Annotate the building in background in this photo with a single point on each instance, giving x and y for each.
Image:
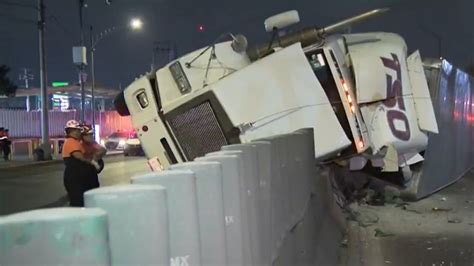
(22, 113)
(63, 96)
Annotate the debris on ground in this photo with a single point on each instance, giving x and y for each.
(344, 242)
(388, 262)
(368, 220)
(374, 198)
(402, 204)
(380, 233)
(363, 220)
(406, 208)
(436, 209)
(454, 220)
(392, 196)
(443, 199)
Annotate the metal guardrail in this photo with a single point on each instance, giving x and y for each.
(262, 203)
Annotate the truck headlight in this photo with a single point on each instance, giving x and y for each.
(122, 143)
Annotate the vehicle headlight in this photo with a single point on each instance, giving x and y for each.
(122, 142)
(102, 142)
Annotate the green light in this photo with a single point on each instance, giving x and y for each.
(60, 84)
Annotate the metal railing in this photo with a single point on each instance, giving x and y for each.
(23, 124)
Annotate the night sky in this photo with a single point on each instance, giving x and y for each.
(124, 55)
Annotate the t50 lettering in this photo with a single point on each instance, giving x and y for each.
(395, 99)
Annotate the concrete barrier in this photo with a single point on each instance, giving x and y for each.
(264, 172)
(210, 209)
(59, 236)
(302, 192)
(251, 183)
(182, 212)
(235, 245)
(260, 203)
(138, 222)
(244, 202)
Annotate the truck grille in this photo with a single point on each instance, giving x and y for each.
(198, 131)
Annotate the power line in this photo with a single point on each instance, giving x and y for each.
(7, 3)
(56, 21)
(17, 19)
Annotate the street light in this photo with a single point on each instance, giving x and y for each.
(135, 24)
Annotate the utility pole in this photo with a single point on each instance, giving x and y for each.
(92, 48)
(44, 87)
(82, 66)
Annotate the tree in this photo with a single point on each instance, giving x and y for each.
(7, 87)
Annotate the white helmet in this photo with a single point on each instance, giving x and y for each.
(73, 124)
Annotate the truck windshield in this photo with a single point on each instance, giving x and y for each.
(321, 69)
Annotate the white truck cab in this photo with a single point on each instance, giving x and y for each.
(357, 91)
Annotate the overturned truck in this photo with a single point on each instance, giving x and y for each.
(367, 100)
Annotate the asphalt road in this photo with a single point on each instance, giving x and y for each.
(41, 186)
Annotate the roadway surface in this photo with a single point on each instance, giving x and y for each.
(41, 186)
(438, 230)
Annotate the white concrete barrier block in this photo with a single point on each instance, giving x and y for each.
(280, 193)
(244, 202)
(59, 236)
(138, 222)
(210, 209)
(265, 165)
(182, 212)
(298, 179)
(231, 178)
(288, 172)
(277, 200)
(251, 181)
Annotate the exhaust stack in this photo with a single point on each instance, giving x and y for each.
(311, 35)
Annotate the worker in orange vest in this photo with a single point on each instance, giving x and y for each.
(78, 166)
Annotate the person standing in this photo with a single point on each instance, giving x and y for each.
(93, 152)
(2, 137)
(6, 145)
(77, 166)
